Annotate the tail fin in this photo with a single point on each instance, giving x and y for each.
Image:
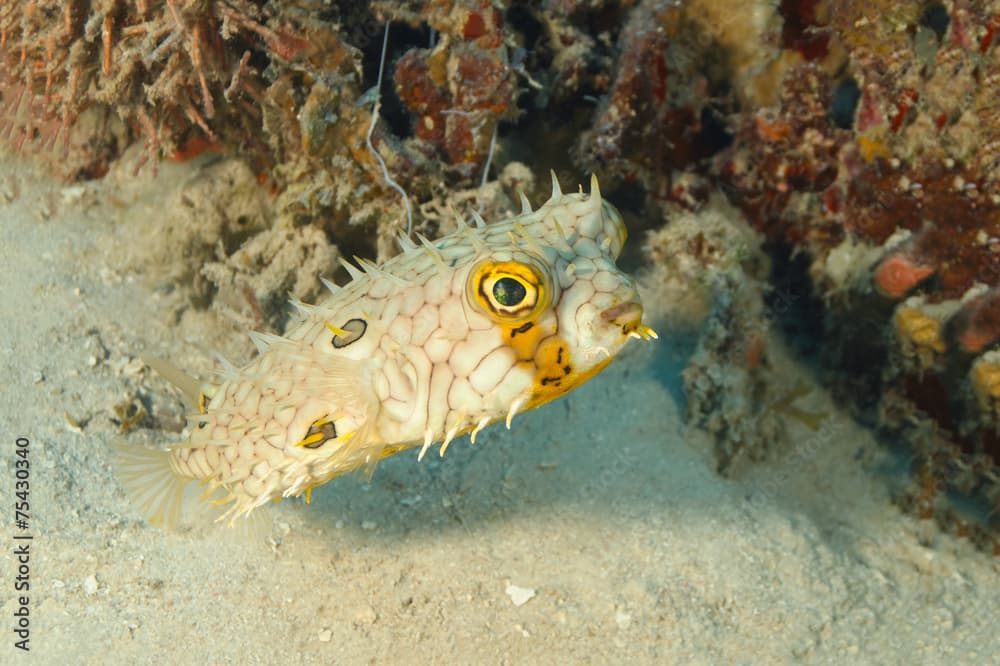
(159, 493)
(155, 489)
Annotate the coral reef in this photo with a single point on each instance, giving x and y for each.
(237, 256)
(710, 268)
(878, 161)
(160, 66)
(656, 118)
(280, 84)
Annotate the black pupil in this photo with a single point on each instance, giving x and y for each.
(508, 292)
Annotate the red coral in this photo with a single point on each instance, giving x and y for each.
(462, 88)
(650, 123)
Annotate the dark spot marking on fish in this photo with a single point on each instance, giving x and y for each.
(327, 431)
(523, 328)
(354, 331)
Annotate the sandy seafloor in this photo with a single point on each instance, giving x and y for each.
(603, 503)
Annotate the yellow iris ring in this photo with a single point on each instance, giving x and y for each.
(537, 290)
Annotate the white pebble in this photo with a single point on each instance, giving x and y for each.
(325, 635)
(90, 585)
(519, 595)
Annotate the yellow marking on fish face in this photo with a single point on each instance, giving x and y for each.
(554, 373)
(509, 292)
(523, 339)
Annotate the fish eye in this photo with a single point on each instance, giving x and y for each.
(509, 291)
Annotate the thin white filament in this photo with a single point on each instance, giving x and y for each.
(371, 130)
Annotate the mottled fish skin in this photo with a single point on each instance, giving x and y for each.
(439, 341)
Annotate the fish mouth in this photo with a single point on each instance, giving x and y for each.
(628, 317)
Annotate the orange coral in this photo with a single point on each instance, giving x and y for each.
(897, 275)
